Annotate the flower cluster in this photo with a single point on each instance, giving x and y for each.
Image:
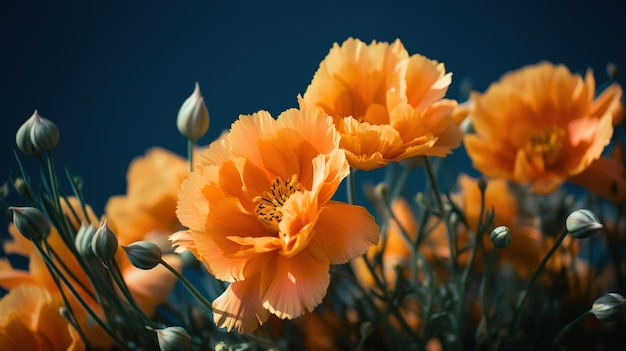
(249, 243)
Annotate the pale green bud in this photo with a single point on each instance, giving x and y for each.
(104, 243)
(173, 339)
(222, 346)
(44, 134)
(193, 116)
(500, 237)
(366, 329)
(143, 254)
(22, 137)
(31, 222)
(467, 127)
(583, 224)
(609, 307)
(84, 239)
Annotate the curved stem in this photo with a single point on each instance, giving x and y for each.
(188, 285)
(567, 328)
(526, 291)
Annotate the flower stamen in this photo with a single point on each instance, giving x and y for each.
(270, 204)
(546, 144)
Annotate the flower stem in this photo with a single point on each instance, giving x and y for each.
(483, 286)
(350, 187)
(188, 285)
(190, 144)
(526, 291)
(567, 328)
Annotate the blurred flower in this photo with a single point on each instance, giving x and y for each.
(260, 197)
(541, 125)
(30, 320)
(386, 105)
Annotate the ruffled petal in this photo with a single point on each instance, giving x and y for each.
(240, 307)
(345, 231)
(297, 284)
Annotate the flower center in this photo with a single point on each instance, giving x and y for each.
(546, 144)
(269, 206)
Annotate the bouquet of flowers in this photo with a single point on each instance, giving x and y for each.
(249, 243)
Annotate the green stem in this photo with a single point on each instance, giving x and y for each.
(557, 340)
(534, 277)
(115, 272)
(483, 286)
(58, 273)
(350, 187)
(188, 285)
(190, 145)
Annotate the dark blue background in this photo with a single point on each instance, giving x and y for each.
(112, 74)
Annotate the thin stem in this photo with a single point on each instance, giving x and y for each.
(58, 273)
(567, 328)
(190, 145)
(119, 281)
(188, 285)
(526, 291)
(483, 287)
(350, 187)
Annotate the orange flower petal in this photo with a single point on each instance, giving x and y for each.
(345, 231)
(240, 306)
(296, 284)
(604, 177)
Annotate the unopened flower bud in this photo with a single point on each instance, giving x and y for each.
(4, 190)
(467, 127)
(583, 224)
(173, 339)
(609, 307)
(366, 329)
(222, 346)
(31, 222)
(44, 134)
(143, 254)
(482, 185)
(193, 116)
(611, 70)
(83, 240)
(104, 243)
(22, 137)
(22, 187)
(500, 237)
(382, 191)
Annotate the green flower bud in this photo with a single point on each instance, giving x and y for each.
(44, 134)
(609, 307)
(104, 243)
(222, 346)
(500, 237)
(366, 329)
(193, 116)
(22, 187)
(583, 224)
(31, 222)
(22, 137)
(84, 238)
(143, 254)
(173, 339)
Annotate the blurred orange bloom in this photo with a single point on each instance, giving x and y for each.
(30, 320)
(541, 125)
(149, 205)
(259, 215)
(386, 105)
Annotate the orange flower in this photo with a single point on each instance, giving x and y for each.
(386, 105)
(30, 320)
(149, 205)
(259, 215)
(540, 125)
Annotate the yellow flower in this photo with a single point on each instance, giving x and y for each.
(259, 211)
(386, 105)
(540, 125)
(30, 320)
